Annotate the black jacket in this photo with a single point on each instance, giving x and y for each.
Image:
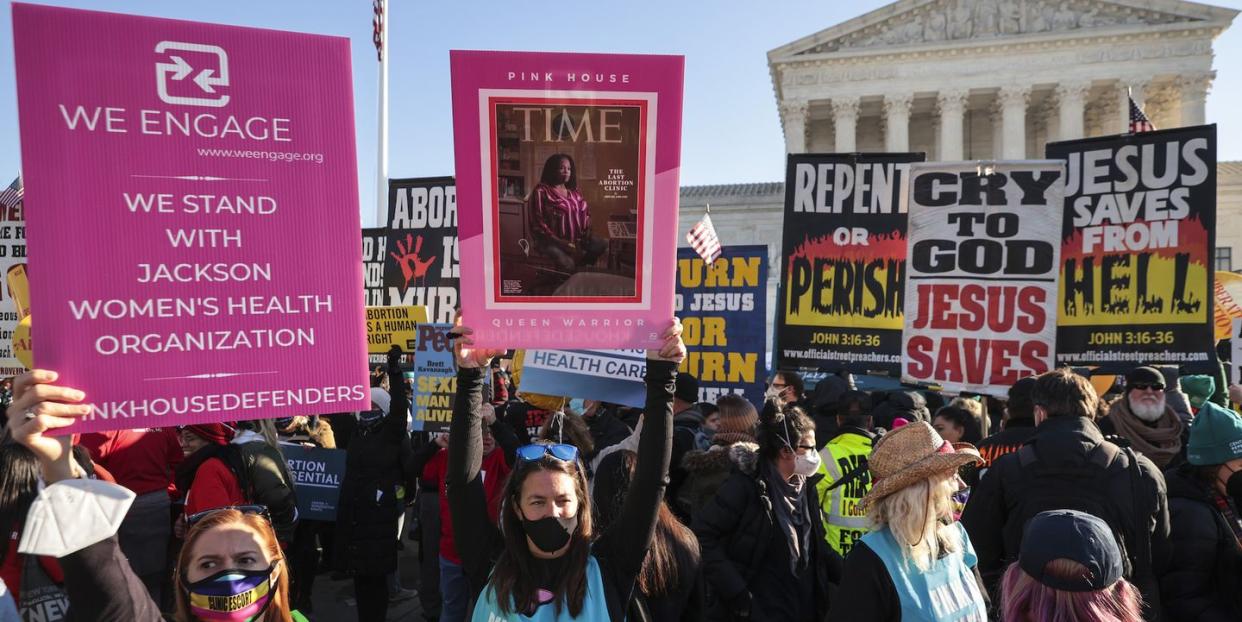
(743, 546)
(377, 463)
(1204, 578)
(1016, 433)
(995, 516)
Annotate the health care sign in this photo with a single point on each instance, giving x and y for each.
(192, 193)
(981, 279)
(567, 173)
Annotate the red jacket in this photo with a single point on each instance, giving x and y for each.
(495, 472)
(140, 460)
(11, 569)
(215, 486)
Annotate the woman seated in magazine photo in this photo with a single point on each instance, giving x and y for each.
(560, 219)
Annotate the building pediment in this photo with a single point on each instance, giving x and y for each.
(950, 23)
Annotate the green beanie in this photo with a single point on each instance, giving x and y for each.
(1198, 388)
(1215, 436)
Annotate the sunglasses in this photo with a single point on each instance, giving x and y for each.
(260, 510)
(1147, 387)
(560, 451)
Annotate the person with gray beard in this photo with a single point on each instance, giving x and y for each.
(1144, 418)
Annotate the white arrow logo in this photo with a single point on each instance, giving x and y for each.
(179, 70)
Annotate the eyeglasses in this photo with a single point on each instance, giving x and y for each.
(777, 385)
(560, 451)
(1140, 386)
(260, 510)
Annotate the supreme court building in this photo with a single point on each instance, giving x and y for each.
(981, 80)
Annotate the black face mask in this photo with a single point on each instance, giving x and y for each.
(550, 534)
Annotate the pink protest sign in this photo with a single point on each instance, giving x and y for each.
(567, 190)
(192, 214)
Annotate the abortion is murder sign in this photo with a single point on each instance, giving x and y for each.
(204, 178)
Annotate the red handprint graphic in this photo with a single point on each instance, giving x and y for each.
(412, 266)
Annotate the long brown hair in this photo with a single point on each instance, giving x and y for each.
(278, 609)
(514, 578)
(662, 567)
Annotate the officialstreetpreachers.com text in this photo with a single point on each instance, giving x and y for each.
(852, 357)
(1132, 357)
(219, 402)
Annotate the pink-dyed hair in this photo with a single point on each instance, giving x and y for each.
(1023, 599)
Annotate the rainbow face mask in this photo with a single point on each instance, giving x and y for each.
(236, 595)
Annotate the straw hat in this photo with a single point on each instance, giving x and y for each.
(911, 454)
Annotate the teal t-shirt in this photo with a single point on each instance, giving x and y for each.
(594, 605)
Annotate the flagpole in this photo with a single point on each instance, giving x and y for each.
(381, 170)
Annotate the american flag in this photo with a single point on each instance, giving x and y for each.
(377, 28)
(11, 196)
(702, 238)
(1138, 121)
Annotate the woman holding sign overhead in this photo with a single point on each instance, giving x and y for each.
(545, 562)
(231, 568)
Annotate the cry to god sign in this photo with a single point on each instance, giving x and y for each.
(981, 284)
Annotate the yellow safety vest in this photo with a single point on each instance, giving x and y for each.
(844, 524)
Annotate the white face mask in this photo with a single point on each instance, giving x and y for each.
(806, 464)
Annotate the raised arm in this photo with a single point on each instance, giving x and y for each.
(396, 422)
(98, 579)
(626, 542)
(480, 539)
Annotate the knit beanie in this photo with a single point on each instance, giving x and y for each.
(736, 425)
(214, 433)
(1215, 436)
(687, 388)
(1144, 375)
(1199, 388)
(381, 398)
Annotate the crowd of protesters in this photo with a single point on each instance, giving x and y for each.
(821, 503)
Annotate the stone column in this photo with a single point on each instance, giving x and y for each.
(951, 105)
(1130, 89)
(845, 116)
(794, 117)
(1193, 90)
(1013, 121)
(1072, 98)
(998, 134)
(897, 119)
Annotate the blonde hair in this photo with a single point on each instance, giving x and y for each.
(914, 516)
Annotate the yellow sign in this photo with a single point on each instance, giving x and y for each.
(21, 343)
(394, 326)
(1228, 301)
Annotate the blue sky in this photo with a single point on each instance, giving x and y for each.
(731, 129)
